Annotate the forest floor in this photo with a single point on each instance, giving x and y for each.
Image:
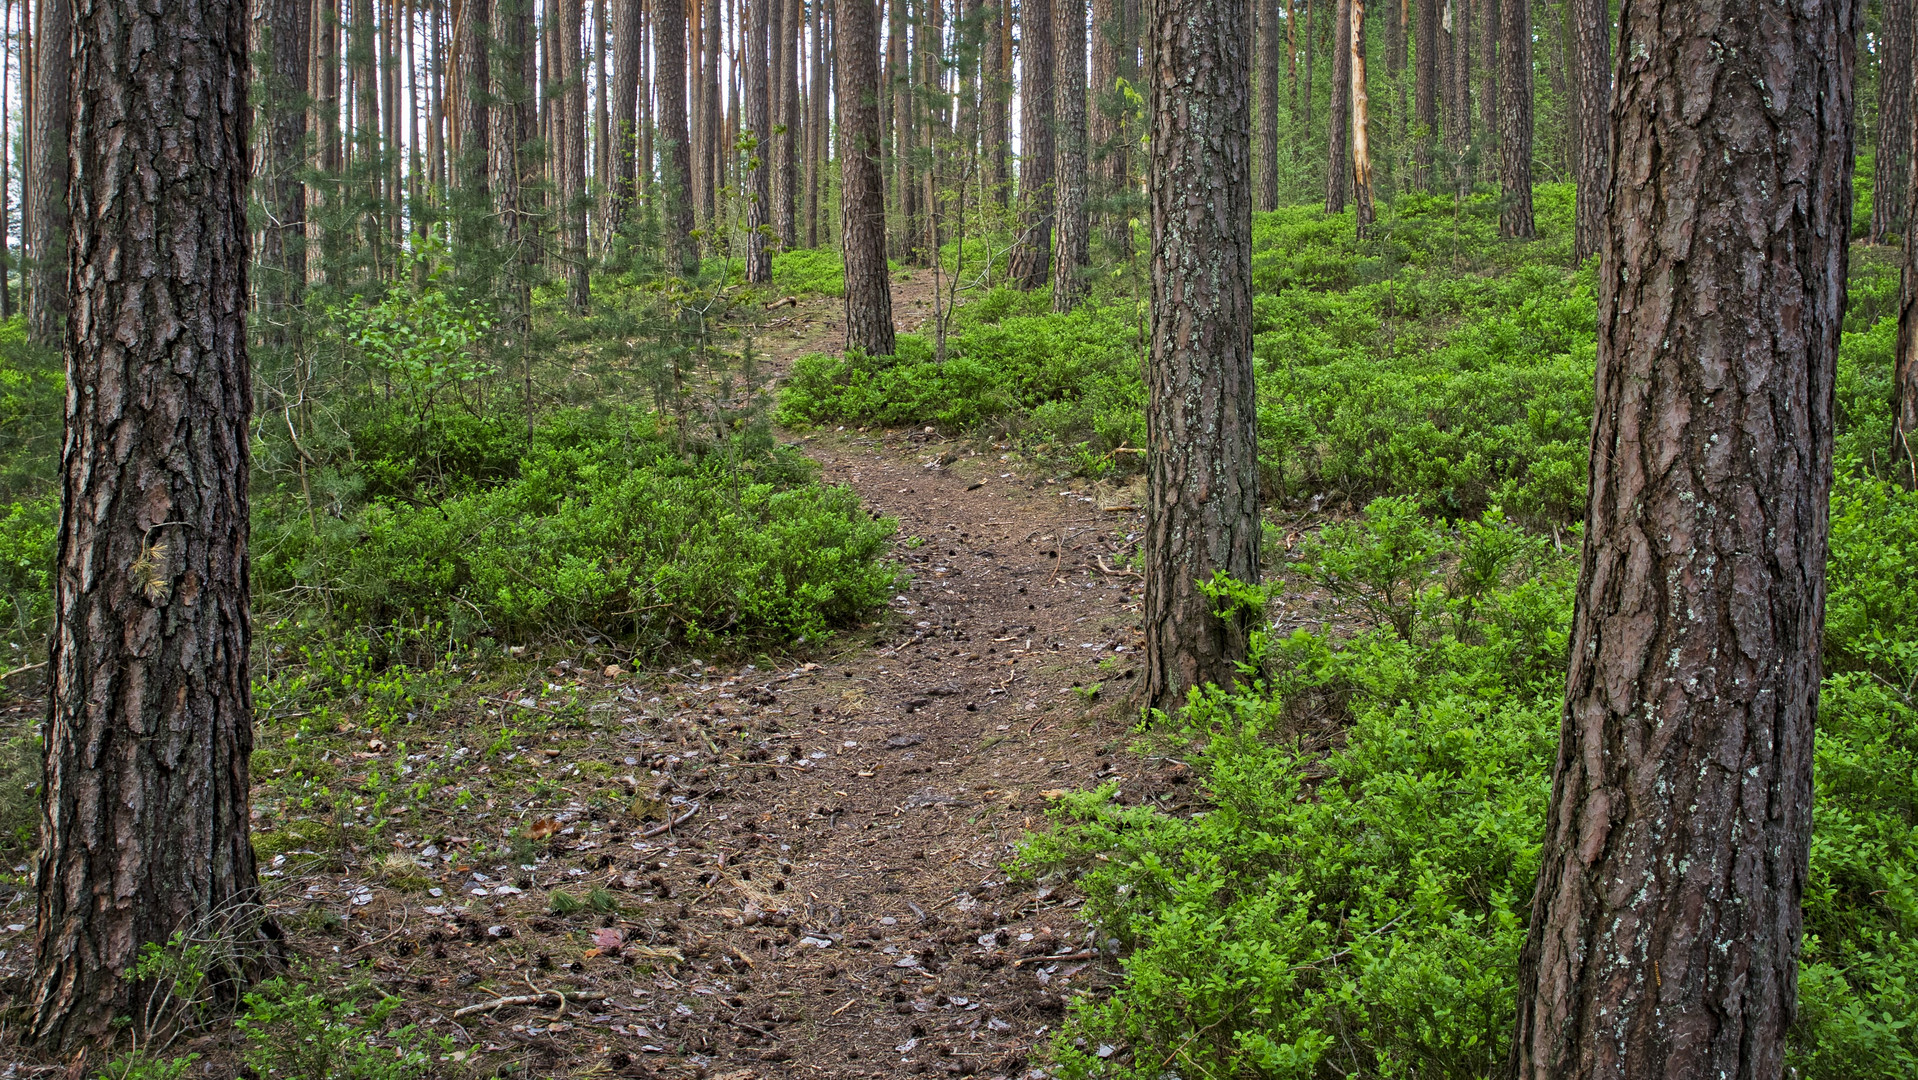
(812, 878)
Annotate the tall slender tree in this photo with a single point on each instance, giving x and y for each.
(1032, 255)
(862, 202)
(1515, 121)
(1112, 60)
(1269, 38)
(1666, 925)
(786, 124)
(280, 55)
(625, 119)
(1364, 213)
(571, 111)
(150, 719)
(711, 123)
(1904, 377)
(995, 91)
(816, 134)
(676, 157)
(756, 129)
(1202, 472)
(46, 201)
(1338, 166)
(1891, 163)
(1458, 120)
(1591, 79)
(1425, 88)
(1075, 224)
(1491, 24)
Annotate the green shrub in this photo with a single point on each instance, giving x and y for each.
(295, 1030)
(810, 270)
(1359, 910)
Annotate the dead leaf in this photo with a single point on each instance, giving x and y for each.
(543, 828)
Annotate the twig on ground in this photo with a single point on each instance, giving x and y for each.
(661, 830)
(1082, 954)
(529, 999)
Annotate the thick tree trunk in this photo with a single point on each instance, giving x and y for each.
(1592, 89)
(1269, 37)
(862, 202)
(1311, 9)
(1458, 122)
(1515, 122)
(1075, 225)
(1363, 213)
(1891, 164)
(1490, 25)
(816, 133)
(757, 129)
(1032, 256)
(1202, 472)
(150, 719)
(676, 159)
(1111, 161)
(1904, 380)
(472, 148)
(284, 42)
(1338, 165)
(1425, 88)
(1665, 928)
(46, 179)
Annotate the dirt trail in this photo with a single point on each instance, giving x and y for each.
(832, 900)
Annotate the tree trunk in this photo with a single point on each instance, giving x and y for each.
(757, 186)
(1904, 381)
(1458, 123)
(626, 46)
(1425, 86)
(1592, 87)
(816, 134)
(1032, 256)
(572, 122)
(676, 159)
(1202, 469)
(1363, 214)
(284, 43)
(1515, 123)
(150, 717)
(473, 147)
(1490, 25)
(1110, 160)
(1075, 226)
(511, 47)
(1268, 16)
(1338, 166)
(1311, 9)
(862, 201)
(1665, 927)
(929, 39)
(1891, 163)
(362, 63)
(786, 204)
(711, 123)
(46, 200)
(995, 92)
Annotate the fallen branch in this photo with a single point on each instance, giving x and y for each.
(1082, 954)
(1116, 573)
(23, 670)
(661, 830)
(550, 996)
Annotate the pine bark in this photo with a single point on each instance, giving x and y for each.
(472, 148)
(1515, 122)
(1363, 213)
(756, 127)
(1458, 120)
(1904, 379)
(1490, 24)
(816, 134)
(46, 201)
(1338, 162)
(1891, 163)
(149, 721)
(1425, 88)
(1269, 31)
(1592, 90)
(284, 42)
(786, 178)
(1032, 257)
(676, 159)
(711, 122)
(862, 202)
(1666, 924)
(1075, 224)
(511, 130)
(995, 91)
(1202, 475)
(571, 108)
(929, 37)
(625, 118)
(1111, 158)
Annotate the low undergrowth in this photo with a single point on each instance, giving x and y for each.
(1353, 902)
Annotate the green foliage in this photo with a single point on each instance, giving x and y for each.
(598, 526)
(1358, 910)
(295, 1030)
(141, 1065)
(802, 271)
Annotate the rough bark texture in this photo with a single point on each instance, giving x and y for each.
(1904, 382)
(512, 45)
(1338, 165)
(786, 123)
(815, 121)
(1515, 122)
(283, 40)
(472, 130)
(995, 98)
(676, 159)
(1269, 39)
(757, 126)
(1363, 213)
(1665, 928)
(862, 202)
(1032, 256)
(1112, 59)
(46, 200)
(712, 153)
(144, 810)
(1425, 88)
(1490, 24)
(1458, 121)
(1591, 79)
(572, 163)
(626, 44)
(1891, 164)
(1202, 475)
(1075, 225)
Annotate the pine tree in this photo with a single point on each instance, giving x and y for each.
(862, 202)
(1075, 224)
(1515, 122)
(1032, 255)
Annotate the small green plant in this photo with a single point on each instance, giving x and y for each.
(141, 1065)
(1089, 692)
(561, 902)
(295, 1030)
(602, 901)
